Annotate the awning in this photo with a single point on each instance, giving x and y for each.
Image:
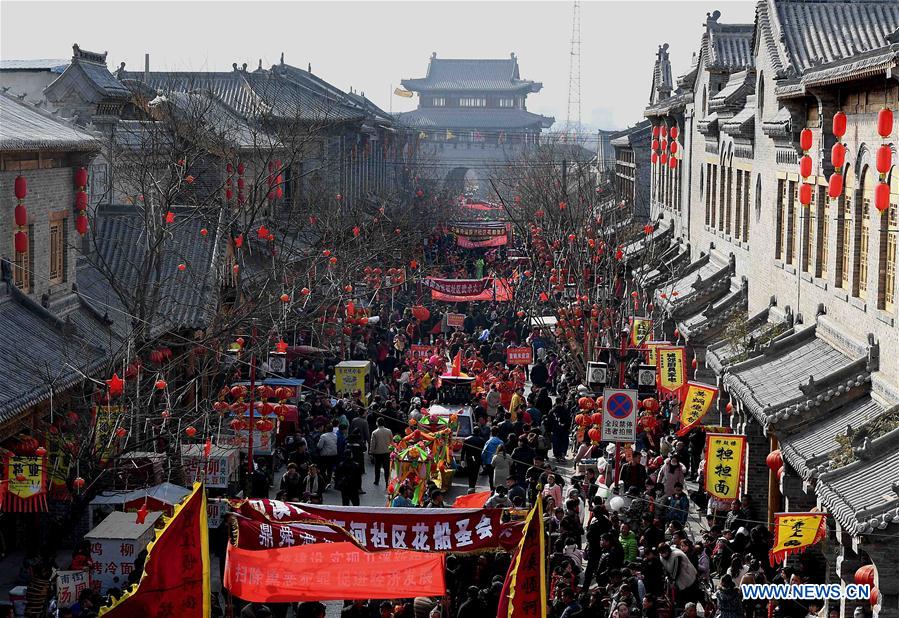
(789, 378)
(705, 280)
(711, 321)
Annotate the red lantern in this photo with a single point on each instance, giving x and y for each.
(594, 434)
(838, 156)
(579, 420)
(21, 242)
(885, 122)
(655, 144)
(774, 460)
(190, 431)
(332, 261)
(40, 451)
(78, 483)
(161, 384)
(805, 166)
(305, 291)
(806, 139)
(285, 298)
(21, 187)
(648, 229)
(673, 132)
(81, 177)
(81, 200)
(672, 163)
(654, 158)
(835, 186)
(663, 131)
(693, 364)
(729, 408)
(81, 224)
(805, 194)
(596, 418)
(882, 196)
(21, 215)
(677, 333)
(651, 404)
(421, 313)
(673, 147)
(182, 267)
(884, 158)
(585, 403)
(121, 432)
(866, 575)
(656, 130)
(663, 158)
(238, 392)
(572, 238)
(839, 124)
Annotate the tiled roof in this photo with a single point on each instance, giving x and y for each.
(626, 137)
(657, 239)
(453, 118)
(102, 79)
(187, 299)
(470, 74)
(807, 450)
(713, 317)
(208, 111)
(862, 495)
(734, 93)
(42, 354)
(729, 46)
(763, 326)
(851, 68)
(770, 385)
(704, 281)
(24, 128)
(54, 65)
(666, 106)
(815, 32)
(743, 122)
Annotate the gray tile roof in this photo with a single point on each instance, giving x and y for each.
(666, 106)
(807, 450)
(658, 240)
(817, 33)
(729, 46)
(734, 93)
(862, 495)
(457, 118)
(187, 299)
(41, 353)
(102, 79)
(759, 328)
(743, 122)
(854, 67)
(24, 128)
(771, 384)
(713, 317)
(470, 74)
(54, 65)
(707, 279)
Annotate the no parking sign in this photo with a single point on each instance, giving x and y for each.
(619, 415)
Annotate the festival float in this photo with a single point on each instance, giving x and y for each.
(423, 457)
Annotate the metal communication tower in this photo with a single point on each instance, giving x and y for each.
(573, 121)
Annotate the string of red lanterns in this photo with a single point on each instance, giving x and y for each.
(21, 215)
(837, 156)
(884, 160)
(81, 200)
(806, 139)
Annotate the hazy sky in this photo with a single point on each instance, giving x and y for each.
(370, 46)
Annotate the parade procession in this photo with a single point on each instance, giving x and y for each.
(270, 350)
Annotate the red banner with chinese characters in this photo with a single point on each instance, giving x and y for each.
(524, 591)
(417, 350)
(26, 484)
(698, 399)
(794, 533)
(494, 241)
(519, 356)
(338, 571)
(376, 528)
(500, 292)
(254, 534)
(175, 581)
(480, 229)
(457, 287)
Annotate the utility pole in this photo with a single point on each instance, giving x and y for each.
(573, 120)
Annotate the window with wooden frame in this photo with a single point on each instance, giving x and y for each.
(891, 246)
(810, 214)
(863, 223)
(823, 232)
(746, 206)
(708, 192)
(779, 223)
(730, 199)
(713, 189)
(790, 199)
(738, 206)
(57, 251)
(722, 199)
(23, 265)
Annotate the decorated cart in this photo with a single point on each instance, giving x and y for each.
(424, 455)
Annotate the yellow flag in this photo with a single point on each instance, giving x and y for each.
(671, 372)
(697, 402)
(400, 92)
(794, 532)
(651, 347)
(724, 454)
(641, 329)
(449, 134)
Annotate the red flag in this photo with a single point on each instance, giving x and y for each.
(524, 591)
(175, 581)
(457, 364)
(472, 501)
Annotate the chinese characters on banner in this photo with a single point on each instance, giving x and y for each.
(70, 584)
(651, 348)
(453, 530)
(524, 590)
(724, 456)
(480, 230)
(457, 287)
(794, 532)
(697, 402)
(26, 490)
(671, 370)
(338, 571)
(455, 320)
(519, 356)
(641, 331)
(417, 350)
(106, 419)
(477, 243)
(175, 580)
(619, 415)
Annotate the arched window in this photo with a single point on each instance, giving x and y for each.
(705, 101)
(760, 95)
(889, 235)
(863, 220)
(844, 231)
(758, 200)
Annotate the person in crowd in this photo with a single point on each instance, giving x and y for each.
(348, 479)
(379, 449)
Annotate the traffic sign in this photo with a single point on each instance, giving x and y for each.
(619, 415)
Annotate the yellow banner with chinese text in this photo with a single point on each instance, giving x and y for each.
(794, 532)
(724, 456)
(671, 371)
(698, 399)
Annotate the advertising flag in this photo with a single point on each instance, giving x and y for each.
(671, 367)
(524, 591)
(794, 533)
(651, 348)
(697, 402)
(26, 484)
(175, 580)
(641, 330)
(724, 456)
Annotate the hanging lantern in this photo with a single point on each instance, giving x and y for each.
(838, 156)
(672, 163)
(839, 124)
(305, 291)
(656, 130)
(81, 200)
(285, 298)
(594, 434)
(78, 483)
(805, 194)
(596, 417)
(835, 186)
(21, 242)
(673, 147)
(805, 139)
(882, 196)
(21, 215)
(651, 404)
(729, 408)
(885, 122)
(190, 431)
(693, 364)
(21, 187)
(774, 460)
(182, 267)
(654, 158)
(866, 575)
(884, 158)
(805, 166)
(664, 131)
(585, 403)
(121, 432)
(161, 384)
(663, 158)
(81, 178)
(655, 144)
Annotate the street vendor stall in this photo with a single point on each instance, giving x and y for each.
(352, 376)
(115, 544)
(218, 470)
(161, 497)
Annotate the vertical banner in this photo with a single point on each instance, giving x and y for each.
(651, 349)
(641, 331)
(524, 591)
(26, 480)
(697, 402)
(794, 533)
(724, 456)
(671, 367)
